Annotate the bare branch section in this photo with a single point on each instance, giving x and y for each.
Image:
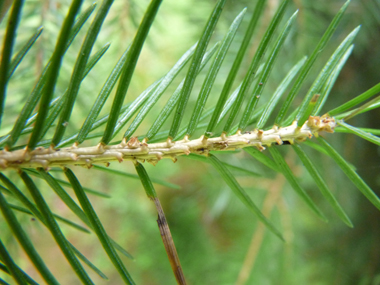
(152, 153)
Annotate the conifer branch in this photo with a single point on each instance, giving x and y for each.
(142, 151)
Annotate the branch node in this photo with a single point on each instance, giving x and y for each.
(123, 143)
(204, 140)
(100, 148)
(279, 141)
(3, 164)
(169, 142)
(133, 143)
(152, 161)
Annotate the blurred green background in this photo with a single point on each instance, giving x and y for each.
(217, 238)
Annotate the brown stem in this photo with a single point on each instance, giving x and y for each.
(169, 244)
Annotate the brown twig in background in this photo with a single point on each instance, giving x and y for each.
(169, 244)
(163, 226)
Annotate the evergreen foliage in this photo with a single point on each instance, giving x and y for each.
(44, 141)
